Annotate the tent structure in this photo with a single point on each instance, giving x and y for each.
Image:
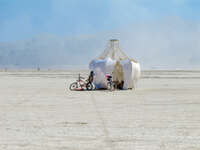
(114, 61)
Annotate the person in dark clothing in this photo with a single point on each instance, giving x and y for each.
(91, 77)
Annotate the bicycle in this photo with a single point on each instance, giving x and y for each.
(111, 85)
(81, 84)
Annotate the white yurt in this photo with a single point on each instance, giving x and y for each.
(115, 62)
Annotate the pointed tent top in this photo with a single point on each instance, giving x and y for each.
(113, 51)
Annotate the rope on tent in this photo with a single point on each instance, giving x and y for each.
(106, 133)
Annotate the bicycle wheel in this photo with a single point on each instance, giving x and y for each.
(89, 86)
(73, 86)
(110, 86)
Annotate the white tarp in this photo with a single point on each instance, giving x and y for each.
(106, 66)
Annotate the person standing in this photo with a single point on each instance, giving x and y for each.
(91, 77)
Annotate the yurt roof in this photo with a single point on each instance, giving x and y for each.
(113, 51)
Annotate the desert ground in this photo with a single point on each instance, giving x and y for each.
(39, 112)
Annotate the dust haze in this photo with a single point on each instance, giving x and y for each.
(169, 44)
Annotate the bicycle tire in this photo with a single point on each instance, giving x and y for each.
(89, 86)
(110, 86)
(73, 86)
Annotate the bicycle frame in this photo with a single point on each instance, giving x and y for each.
(82, 83)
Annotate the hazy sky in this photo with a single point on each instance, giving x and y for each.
(20, 19)
(153, 31)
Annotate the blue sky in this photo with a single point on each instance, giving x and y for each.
(21, 19)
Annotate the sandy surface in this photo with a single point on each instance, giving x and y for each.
(38, 112)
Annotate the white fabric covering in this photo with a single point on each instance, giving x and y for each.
(106, 62)
(106, 66)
